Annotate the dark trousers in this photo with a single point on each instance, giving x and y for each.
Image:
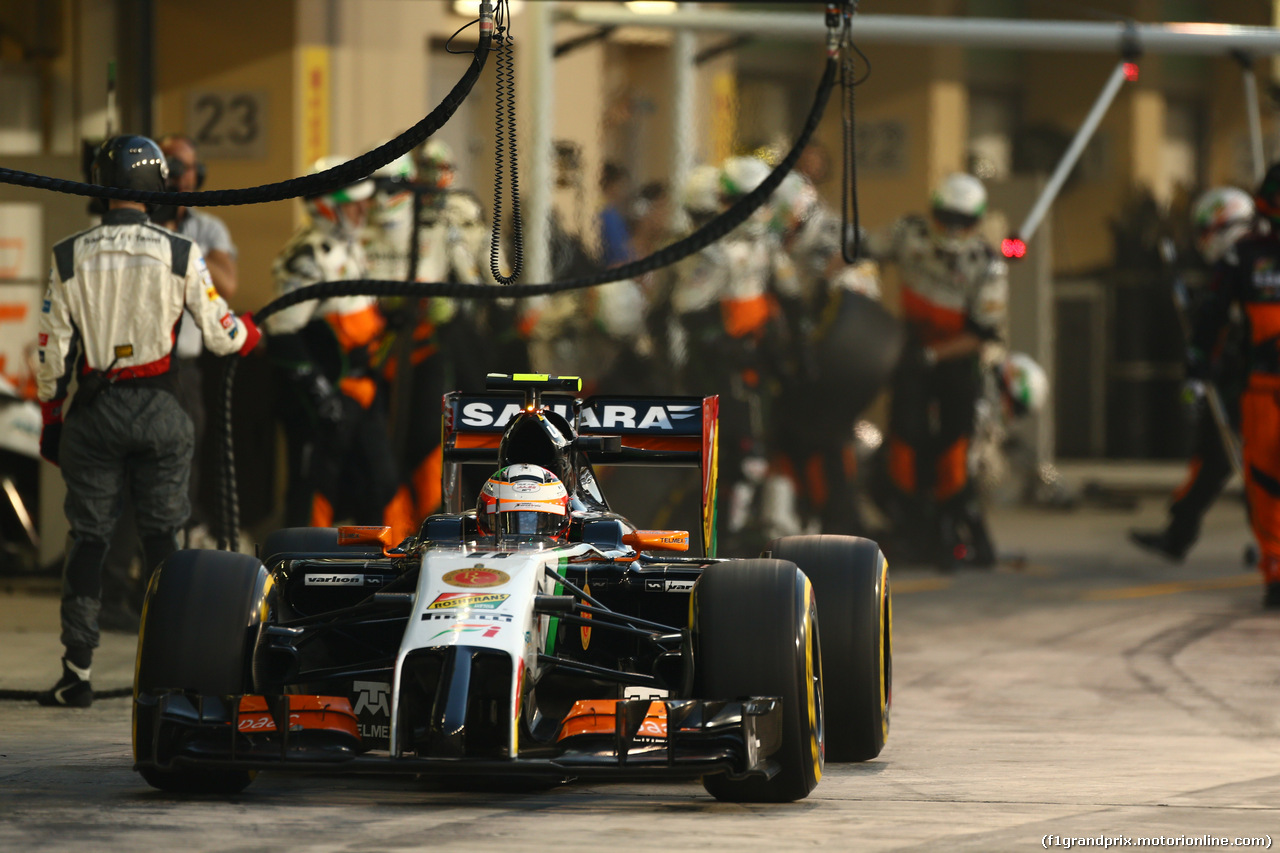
(134, 442)
(351, 467)
(1209, 472)
(931, 421)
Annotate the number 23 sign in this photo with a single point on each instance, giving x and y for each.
(228, 123)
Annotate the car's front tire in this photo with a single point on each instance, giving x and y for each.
(199, 621)
(756, 634)
(851, 579)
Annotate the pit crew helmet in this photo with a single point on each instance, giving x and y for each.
(523, 500)
(395, 174)
(130, 163)
(1221, 217)
(393, 191)
(793, 203)
(435, 164)
(741, 175)
(1023, 384)
(326, 208)
(701, 195)
(958, 205)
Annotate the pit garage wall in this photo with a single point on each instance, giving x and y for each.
(220, 52)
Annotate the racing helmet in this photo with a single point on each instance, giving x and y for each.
(701, 194)
(399, 171)
(523, 500)
(1023, 384)
(793, 203)
(130, 163)
(326, 208)
(435, 164)
(1221, 217)
(393, 190)
(741, 175)
(957, 205)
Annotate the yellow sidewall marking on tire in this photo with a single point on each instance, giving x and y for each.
(810, 688)
(886, 645)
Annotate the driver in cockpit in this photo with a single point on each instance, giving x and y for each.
(523, 500)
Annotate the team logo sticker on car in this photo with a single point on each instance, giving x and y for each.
(485, 630)
(472, 600)
(334, 580)
(477, 576)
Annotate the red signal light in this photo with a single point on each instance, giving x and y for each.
(1013, 247)
(1131, 71)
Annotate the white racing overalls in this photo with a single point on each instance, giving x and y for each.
(110, 317)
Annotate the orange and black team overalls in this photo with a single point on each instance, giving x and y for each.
(1252, 278)
(944, 294)
(342, 467)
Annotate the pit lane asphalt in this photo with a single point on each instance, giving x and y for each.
(1086, 690)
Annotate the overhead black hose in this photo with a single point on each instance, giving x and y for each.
(330, 179)
(700, 239)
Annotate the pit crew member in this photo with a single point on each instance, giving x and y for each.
(1220, 219)
(1247, 276)
(954, 288)
(340, 462)
(110, 319)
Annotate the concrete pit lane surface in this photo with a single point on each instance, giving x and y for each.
(1089, 690)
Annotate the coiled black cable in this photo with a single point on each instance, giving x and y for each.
(505, 120)
(307, 185)
(849, 82)
(700, 239)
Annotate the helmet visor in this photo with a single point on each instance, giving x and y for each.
(530, 523)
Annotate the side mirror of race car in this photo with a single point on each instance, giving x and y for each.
(380, 536)
(658, 540)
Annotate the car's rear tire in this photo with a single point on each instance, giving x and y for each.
(199, 621)
(851, 580)
(756, 634)
(310, 542)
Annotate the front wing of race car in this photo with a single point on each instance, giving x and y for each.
(635, 738)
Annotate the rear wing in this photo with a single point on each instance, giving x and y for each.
(642, 430)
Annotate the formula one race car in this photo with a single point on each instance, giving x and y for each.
(492, 645)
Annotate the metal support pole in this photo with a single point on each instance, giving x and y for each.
(1177, 37)
(1253, 111)
(1082, 137)
(541, 46)
(683, 47)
